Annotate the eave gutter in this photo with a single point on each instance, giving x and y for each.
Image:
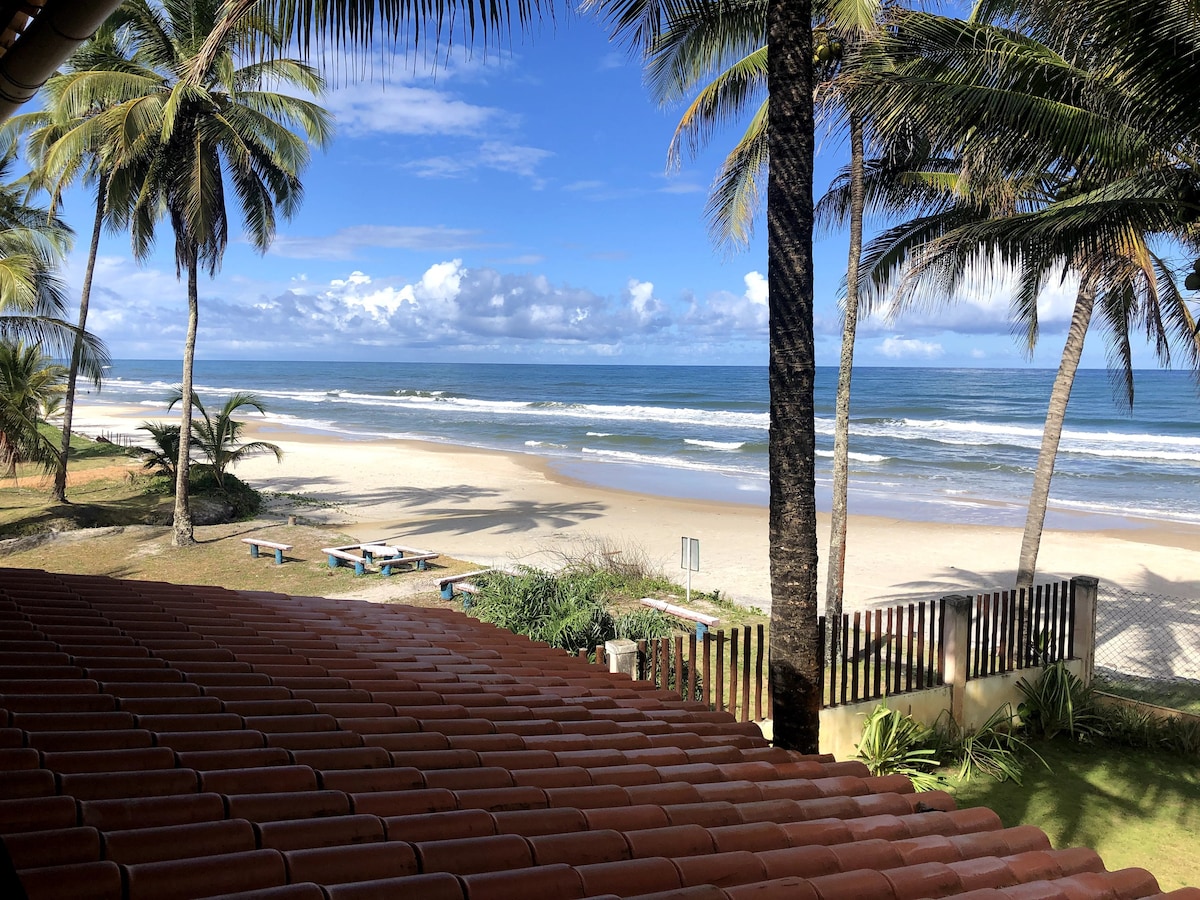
(50, 38)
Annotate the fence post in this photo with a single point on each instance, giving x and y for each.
(956, 638)
(1085, 588)
(622, 656)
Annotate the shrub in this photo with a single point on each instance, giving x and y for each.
(567, 610)
(894, 743)
(1057, 701)
(994, 749)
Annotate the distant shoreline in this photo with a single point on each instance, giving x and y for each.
(496, 507)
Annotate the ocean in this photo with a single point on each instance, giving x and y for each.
(949, 445)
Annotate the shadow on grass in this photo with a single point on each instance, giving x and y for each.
(1135, 807)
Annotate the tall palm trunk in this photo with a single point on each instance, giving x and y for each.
(841, 428)
(795, 648)
(184, 532)
(1060, 394)
(60, 474)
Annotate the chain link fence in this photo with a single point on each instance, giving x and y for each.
(1148, 647)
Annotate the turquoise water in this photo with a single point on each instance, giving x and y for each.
(956, 445)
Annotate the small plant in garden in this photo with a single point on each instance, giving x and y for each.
(993, 750)
(1057, 701)
(894, 743)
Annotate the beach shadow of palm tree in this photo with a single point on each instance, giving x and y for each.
(334, 492)
(510, 518)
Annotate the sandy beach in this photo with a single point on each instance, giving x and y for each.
(504, 508)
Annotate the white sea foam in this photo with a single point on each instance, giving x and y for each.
(715, 445)
(670, 462)
(857, 457)
(473, 406)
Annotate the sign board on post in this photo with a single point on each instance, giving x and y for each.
(689, 560)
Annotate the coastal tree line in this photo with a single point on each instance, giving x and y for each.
(1037, 140)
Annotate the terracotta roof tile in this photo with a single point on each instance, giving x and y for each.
(165, 741)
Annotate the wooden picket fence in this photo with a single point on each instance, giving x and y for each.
(1017, 629)
(883, 652)
(726, 672)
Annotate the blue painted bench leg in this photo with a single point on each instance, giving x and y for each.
(701, 631)
(447, 591)
(334, 562)
(422, 564)
(279, 557)
(360, 568)
(254, 551)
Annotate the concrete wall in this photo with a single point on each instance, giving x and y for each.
(841, 726)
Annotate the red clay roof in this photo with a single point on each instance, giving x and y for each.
(163, 741)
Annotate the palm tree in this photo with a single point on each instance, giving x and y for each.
(218, 437)
(29, 383)
(192, 115)
(52, 134)
(32, 244)
(795, 671)
(1081, 155)
(162, 457)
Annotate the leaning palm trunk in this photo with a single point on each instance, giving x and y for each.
(1060, 394)
(60, 474)
(795, 647)
(841, 429)
(184, 533)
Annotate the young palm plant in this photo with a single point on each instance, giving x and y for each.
(196, 125)
(219, 436)
(29, 383)
(162, 456)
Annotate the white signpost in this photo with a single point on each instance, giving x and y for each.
(689, 559)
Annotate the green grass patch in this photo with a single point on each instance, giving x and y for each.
(1135, 807)
(1181, 695)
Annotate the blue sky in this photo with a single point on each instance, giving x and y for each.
(514, 207)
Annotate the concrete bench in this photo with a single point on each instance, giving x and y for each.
(703, 622)
(461, 584)
(257, 543)
(420, 561)
(390, 556)
(340, 555)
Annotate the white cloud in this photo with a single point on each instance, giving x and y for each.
(349, 243)
(909, 348)
(450, 309)
(724, 313)
(647, 310)
(362, 109)
(494, 155)
(756, 288)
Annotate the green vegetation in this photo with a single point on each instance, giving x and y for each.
(895, 743)
(1180, 695)
(1088, 789)
(570, 610)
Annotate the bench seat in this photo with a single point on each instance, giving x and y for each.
(259, 543)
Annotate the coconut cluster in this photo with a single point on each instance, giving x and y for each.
(1192, 282)
(825, 48)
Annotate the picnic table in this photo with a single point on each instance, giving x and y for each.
(388, 557)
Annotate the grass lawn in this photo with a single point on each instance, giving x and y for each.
(1182, 695)
(1134, 807)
